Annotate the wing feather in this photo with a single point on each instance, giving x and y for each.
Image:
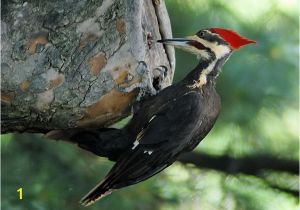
(164, 135)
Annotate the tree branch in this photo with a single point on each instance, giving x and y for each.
(103, 142)
(251, 165)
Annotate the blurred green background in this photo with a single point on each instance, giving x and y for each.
(259, 91)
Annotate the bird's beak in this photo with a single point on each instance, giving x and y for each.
(186, 43)
(183, 42)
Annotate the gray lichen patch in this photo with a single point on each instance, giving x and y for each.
(44, 99)
(102, 85)
(51, 74)
(89, 27)
(63, 61)
(106, 4)
(53, 78)
(134, 23)
(14, 73)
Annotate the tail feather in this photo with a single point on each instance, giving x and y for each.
(98, 192)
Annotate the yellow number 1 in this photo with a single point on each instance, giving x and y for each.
(20, 191)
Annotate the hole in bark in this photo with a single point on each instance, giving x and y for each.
(159, 75)
(156, 83)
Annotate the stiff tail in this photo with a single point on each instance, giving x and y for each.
(98, 192)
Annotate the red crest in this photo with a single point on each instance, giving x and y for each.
(233, 38)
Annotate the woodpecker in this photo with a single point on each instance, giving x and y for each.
(176, 119)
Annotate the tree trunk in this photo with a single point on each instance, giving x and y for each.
(77, 63)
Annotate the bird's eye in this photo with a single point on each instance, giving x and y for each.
(201, 33)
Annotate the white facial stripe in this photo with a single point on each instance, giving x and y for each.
(219, 50)
(200, 53)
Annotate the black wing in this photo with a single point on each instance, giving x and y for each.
(156, 147)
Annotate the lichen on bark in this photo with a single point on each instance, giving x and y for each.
(64, 61)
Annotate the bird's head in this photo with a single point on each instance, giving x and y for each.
(212, 42)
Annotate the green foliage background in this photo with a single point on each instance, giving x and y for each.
(259, 90)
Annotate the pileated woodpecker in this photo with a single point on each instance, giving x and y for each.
(176, 119)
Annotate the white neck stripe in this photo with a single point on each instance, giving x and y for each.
(203, 76)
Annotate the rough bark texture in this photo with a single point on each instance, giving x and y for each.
(77, 63)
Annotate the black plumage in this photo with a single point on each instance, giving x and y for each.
(177, 124)
(170, 123)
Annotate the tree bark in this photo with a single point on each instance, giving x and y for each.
(69, 64)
